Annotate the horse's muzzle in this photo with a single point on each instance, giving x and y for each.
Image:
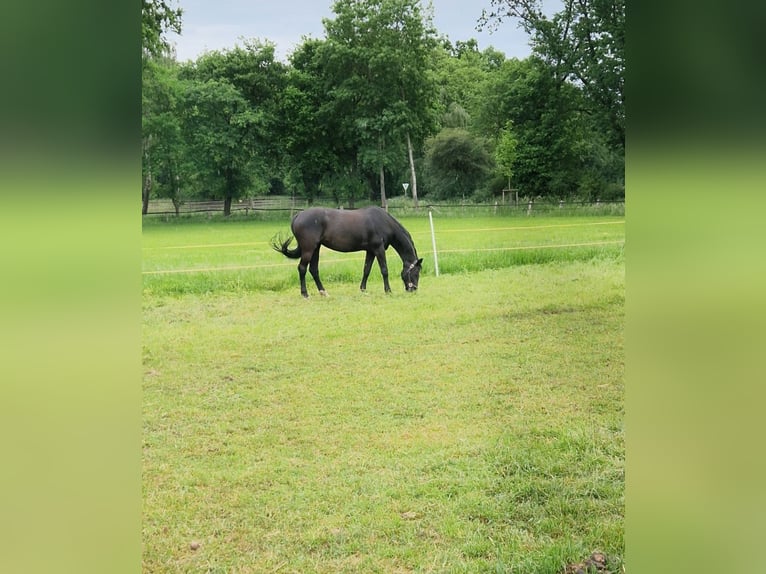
(411, 287)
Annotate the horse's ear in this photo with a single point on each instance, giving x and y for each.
(419, 262)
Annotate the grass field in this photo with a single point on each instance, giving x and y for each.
(203, 256)
(475, 426)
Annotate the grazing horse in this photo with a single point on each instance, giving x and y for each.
(370, 229)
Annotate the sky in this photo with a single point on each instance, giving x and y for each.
(221, 24)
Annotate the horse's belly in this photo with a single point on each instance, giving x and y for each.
(346, 244)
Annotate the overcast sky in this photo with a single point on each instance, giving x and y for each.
(219, 24)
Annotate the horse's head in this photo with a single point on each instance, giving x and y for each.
(411, 275)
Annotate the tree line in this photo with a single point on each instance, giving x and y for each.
(384, 99)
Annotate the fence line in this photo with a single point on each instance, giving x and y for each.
(524, 247)
(526, 227)
(522, 227)
(209, 245)
(166, 207)
(208, 269)
(345, 259)
(283, 203)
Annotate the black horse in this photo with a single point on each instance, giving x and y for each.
(370, 229)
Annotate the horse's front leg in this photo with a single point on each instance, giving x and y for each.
(314, 270)
(381, 255)
(368, 259)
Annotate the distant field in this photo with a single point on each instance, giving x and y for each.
(475, 426)
(201, 256)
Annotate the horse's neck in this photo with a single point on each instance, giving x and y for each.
(403, 245)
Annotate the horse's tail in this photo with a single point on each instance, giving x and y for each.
(283, 246)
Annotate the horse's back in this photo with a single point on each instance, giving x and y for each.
(308, 224)
(342, 230)
(305, 217)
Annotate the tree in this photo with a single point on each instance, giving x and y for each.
(378, 60)
(584, 43)
(311, 136)
(156, 18)
(456, 117)
(457, 163)
(220, 126)
(505, 152)
(162, 141)
(461, 74)
(252, 69)
(543, 112)
(557, 141)
(232, 121)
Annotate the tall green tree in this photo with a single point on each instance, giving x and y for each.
(457, 163)
(461, 72)
(584, 42)
(233, 100)
(379, 60)
(162, 142)
(253, 70)
(505, 152)
(220, 127)
(157, 17)
(558, 143)
(311, 136)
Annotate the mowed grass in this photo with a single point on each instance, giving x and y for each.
(475, 426)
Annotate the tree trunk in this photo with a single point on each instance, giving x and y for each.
(146, 187)
(413, 177)
(383, 200)
(176, 188)
(145, 191)
(309, 188)
(227, 206)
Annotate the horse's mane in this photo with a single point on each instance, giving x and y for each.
(405, 233)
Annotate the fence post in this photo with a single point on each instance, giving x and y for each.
(433, 241)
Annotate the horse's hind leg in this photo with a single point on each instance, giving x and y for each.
(302, 266)
(314, 270)
(369, 258)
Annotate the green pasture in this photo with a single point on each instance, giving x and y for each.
(474, 426)
(210, 255)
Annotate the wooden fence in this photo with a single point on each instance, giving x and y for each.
(166, 207)
(293, 204)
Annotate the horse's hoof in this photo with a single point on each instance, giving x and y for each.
(364, 292)
(324, 294)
